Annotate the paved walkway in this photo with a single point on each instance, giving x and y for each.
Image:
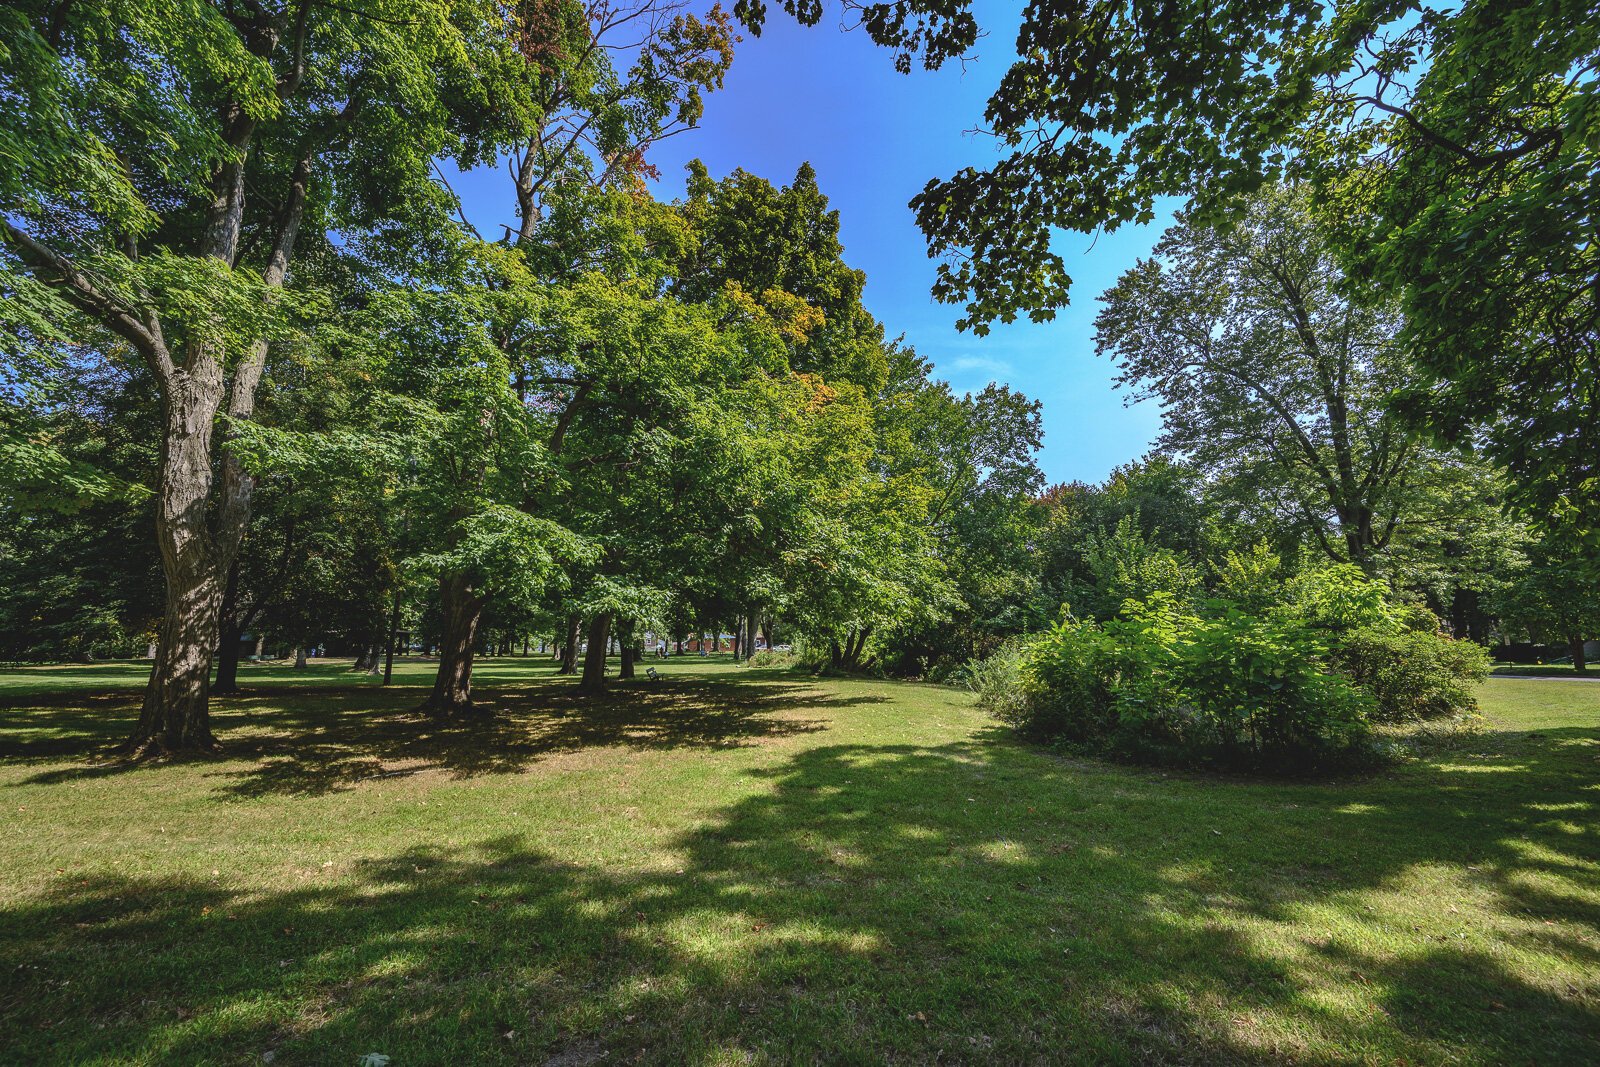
(1591, 677)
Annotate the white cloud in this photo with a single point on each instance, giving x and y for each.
(980, 363)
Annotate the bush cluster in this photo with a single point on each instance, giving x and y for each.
(1286, 688)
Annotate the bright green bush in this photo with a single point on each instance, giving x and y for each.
(1414, 675)
(1283, 676)
(1221, 688)
(1342, 597)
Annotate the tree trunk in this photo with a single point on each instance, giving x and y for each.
(738, 635)
(1579, 664)
(461, 607)
(394, 630)
(230, 631)
(625, 641)
(569, 650)
(752, 625)
(176, 715)
(228, 655)
(594, 660)
(300, 657)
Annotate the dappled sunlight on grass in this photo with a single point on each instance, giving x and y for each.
(869, 871)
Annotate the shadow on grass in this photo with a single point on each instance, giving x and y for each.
(969, 902)
(310, 740)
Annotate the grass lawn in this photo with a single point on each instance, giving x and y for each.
(736, 866)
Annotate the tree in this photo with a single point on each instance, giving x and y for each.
(1554, 597)
(167, 164)
(977, 454)
(1452, 142)
(1273, 376)
(584, 229)
(777, 252)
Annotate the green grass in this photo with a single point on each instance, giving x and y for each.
(743, 866)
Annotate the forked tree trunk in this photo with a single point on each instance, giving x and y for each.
(196, 551)
(461, 607)
(594, 660)
(569, 649)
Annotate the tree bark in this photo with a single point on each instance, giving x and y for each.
(752, 621)
(300, 657)
(175, 714)
(594, 660)
(461, 607)
(1579, 664)
(569, 650)
(230, 631)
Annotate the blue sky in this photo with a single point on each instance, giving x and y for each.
(875, 138)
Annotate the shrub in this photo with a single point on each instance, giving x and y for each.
(1125, 565)
(1414, 675)
(997, 683)
(771, 658)
(1225, 688)
(1252, 579)
(1342, 597)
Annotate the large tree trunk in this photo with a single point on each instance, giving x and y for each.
(195, 556)
(1575, 646)
(569, 649)
(461, 607)
(300, 657)
(594, 660)
(176, 715)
